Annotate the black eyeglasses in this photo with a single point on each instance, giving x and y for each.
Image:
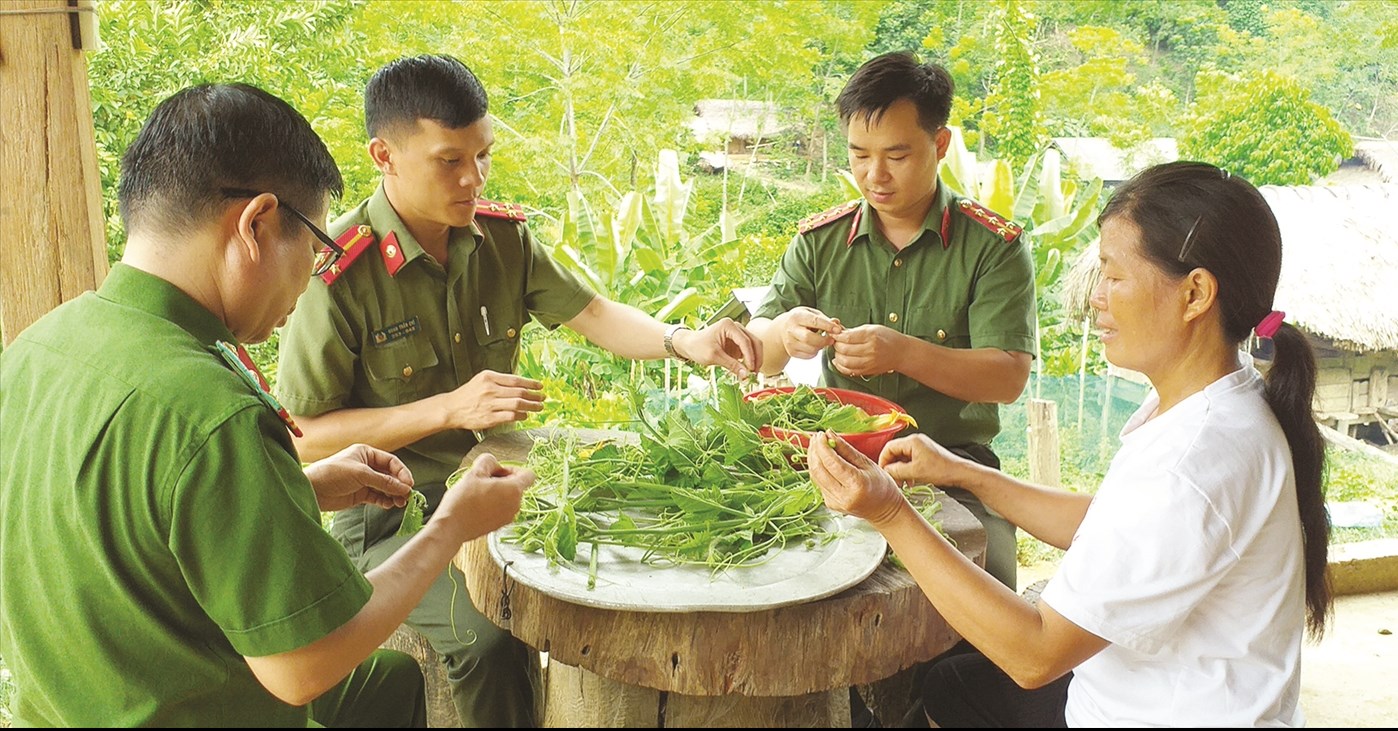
(325, 258)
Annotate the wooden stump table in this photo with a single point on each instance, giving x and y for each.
(786, 666)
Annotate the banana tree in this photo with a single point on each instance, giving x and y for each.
(642, 253)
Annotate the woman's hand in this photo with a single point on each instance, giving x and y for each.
(917, 460)
(851, 482)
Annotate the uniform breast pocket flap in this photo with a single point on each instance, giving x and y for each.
(400, 361)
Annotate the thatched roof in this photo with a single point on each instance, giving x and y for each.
(1339, 277)
(1381, 155)
(719, 119)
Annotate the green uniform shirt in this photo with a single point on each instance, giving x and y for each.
(373, 338)
(157, 526)
(972, 289)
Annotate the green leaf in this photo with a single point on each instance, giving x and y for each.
(671, 198)
(959, 166)
(849, 185)
(602, 254)
(412, 514)
(681, 305)
(649, 261)
(625, 222)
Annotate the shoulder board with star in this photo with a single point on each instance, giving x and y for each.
(811, 223)
(997, 224)
(355, 241)
(495, 209)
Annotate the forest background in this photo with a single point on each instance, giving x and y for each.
(592, 104)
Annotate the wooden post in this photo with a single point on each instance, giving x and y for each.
(1043, 443)
(51, 197)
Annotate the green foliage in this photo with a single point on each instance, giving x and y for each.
(1264, 128)
(580, 380)
(1101, 96)
(644, 255)
(1346, 53)
(1354, 476)
(700, 488)
(305, 52)
(1011, 114)
(1246, 16)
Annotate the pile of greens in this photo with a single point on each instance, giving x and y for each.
(804, 409)
(700, 487)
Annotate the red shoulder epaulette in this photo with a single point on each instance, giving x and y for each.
(1002, 227)
(493, 209)
(811, 223)
(354, 241)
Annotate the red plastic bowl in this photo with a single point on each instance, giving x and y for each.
(868, 443)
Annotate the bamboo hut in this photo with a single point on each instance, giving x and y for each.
(1339, 284)
(739, 128)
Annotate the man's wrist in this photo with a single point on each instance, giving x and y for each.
(670, 333)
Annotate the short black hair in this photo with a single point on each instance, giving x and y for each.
(435, 87)
(211, 137)
(885, 79)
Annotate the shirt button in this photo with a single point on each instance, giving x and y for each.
(897, 262)
(407, 371)
(510, 333)
(941, 334)
(893, 317)
(456, 337)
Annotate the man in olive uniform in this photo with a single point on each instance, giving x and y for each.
(912, 293)
(410, 342)
(164, 562)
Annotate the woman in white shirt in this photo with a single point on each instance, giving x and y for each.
(1193, 574)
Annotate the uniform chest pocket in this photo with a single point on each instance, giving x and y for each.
(940, 327)
(400, 368)
(497, 341)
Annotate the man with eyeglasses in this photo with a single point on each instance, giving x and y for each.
(164, 562)
(410, 343)
(912, 292)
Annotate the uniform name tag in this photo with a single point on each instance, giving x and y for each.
(396, 331)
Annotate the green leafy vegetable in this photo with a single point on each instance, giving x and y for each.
(805, 409)
(700, 488)
(412, 514)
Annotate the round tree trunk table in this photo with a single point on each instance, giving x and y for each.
(785, 666)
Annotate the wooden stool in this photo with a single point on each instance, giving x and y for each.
(441, 712)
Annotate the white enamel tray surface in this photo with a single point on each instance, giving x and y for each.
(793, 575)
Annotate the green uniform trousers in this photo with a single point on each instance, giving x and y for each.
(494, 677)
(385, 691)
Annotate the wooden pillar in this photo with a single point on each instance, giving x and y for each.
(1043, 443)
(50, 189)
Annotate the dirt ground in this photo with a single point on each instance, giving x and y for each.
(1351, 677)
